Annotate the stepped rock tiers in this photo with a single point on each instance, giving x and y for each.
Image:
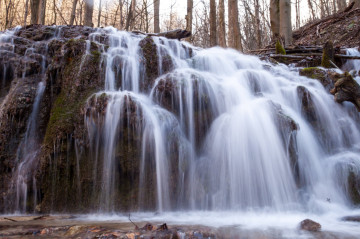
(104, 121)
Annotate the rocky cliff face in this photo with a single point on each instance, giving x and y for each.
(69, 61)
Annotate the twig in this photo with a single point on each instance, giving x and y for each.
(136, 226)
(333, 64)
(6, 218)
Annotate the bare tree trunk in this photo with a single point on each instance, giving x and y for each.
(275, 18)
(311, 7)
(99, 14)
(73, 11)
(189, 17)
(156, 16)
(147, 18)
(285, 21)
(222, 38)
(297, 9)
(42, 12)
(334, 6)
(322, 9)
(257, 24)
(88, 15)
(234, 27)
(121, 15)
(26, 11)
(129, 17)
(213, 41)
(35, 7)
(54, 11)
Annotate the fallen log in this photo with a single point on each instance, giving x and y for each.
(304, 55)
(174, 34)
(287, 56)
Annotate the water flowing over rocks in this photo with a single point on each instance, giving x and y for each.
(104, 121)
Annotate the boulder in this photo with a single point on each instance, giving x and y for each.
(346, 89)
(319, 74)
(310, 225)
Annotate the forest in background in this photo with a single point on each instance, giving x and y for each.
(246, 27)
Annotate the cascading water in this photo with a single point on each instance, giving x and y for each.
(353, 65)
(231, 151)
(210, 129)
(23, 178)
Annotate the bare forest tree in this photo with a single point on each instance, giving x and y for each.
(189, 16)
(275, 17)
(285, 21)
(156, 16)
(88, 15)
(213, 38)
(222, 31)
(234, 27)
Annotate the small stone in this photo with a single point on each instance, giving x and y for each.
(310, 225)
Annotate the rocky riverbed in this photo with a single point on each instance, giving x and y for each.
(69, 226)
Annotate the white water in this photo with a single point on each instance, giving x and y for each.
(241, 162)
(353, 65)
(24, 179)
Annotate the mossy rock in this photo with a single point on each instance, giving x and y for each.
(354, 188)
(318, 74)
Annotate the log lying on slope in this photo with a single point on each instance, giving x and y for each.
(173, 34)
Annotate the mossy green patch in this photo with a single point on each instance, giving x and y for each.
(279, 48)
(328, 55)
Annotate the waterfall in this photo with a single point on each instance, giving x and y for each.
(27, 154)
(353, 65)
(212, 130)
(180, 128)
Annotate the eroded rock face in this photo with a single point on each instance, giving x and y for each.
(288, 129)
(150, 59)
(346, 89)
(44, 53)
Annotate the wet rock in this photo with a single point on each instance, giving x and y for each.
(150, 59)
(307, 105)
(354, 187)
(74, 230)
(309, 225)
(318, 74)
(174, 89)
(288, 129)
(351, 218)
(37, 32)
(346, 89)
